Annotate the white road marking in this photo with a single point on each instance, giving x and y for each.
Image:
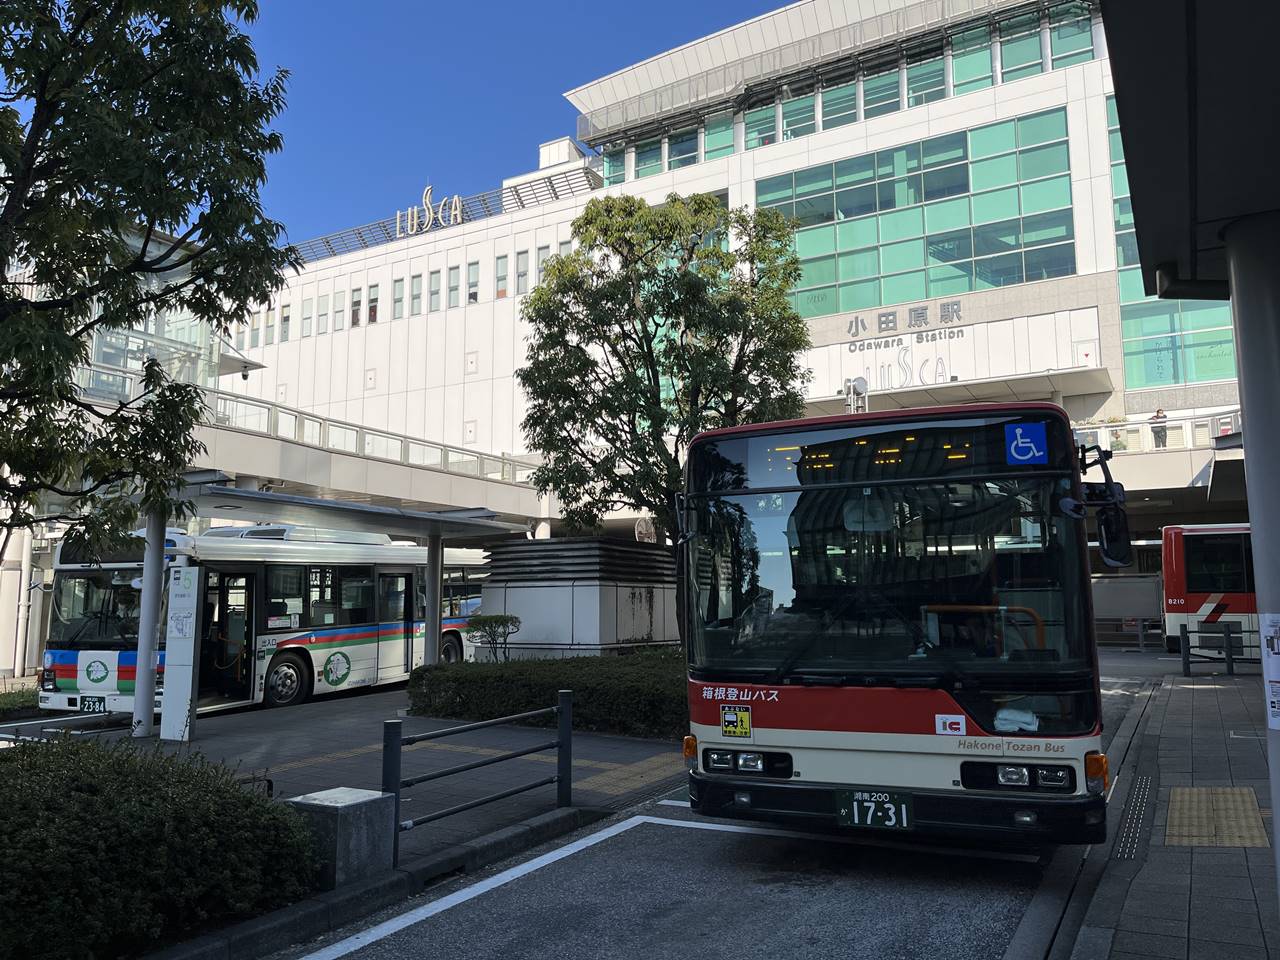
(684, 804)
(385, 929)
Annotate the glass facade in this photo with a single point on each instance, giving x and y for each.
(615, 167)
(648, 158)
(718, 137)
(967, 211)
(682, 149)
(798, 117)
(1166, 342)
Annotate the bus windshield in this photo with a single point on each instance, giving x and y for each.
(965, 575)
(95, 610)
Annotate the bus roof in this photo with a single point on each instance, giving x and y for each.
(906, 414)
(1207, 527)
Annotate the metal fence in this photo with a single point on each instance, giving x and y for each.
(1183, 433)
(1227, 638)
(394, 741)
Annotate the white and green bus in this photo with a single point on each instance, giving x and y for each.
(286, 613)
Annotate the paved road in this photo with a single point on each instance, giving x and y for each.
(660, 882)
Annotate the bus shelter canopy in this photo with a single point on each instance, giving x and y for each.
(232, 503)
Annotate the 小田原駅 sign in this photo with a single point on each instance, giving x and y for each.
(422, 218)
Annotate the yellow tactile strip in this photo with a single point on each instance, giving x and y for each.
(1214, 817)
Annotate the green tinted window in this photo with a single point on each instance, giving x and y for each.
(1122, 211)
(855, 171)
(814, 273)
(1116, 145)
(648, 158)
(615, 167)
(902, 224)
(839, 106)
(860, 264)
(880, 94)
(1042, 128)
(993, 139)
(994, 172)
(816, 303)
(1046, 228)
(1044, 263)
(925, 82)
(813, 180)
(898, 161)
(904, 287)
(798, 118)
(971, 61)
(815, 242)
(1151, 363)
(761, 127)
(997, 271)
(1148, 319)
(855, 202)
(858, 296)
(1020, 54)
(995, 205)
(1204, 314)
(940, 151)
(949, 181)
(949, 247)
(1209, 356)
(902, 192)
(1113, 117)
(997, 238)
(905, 255)
(1119, 180)
(951, 278)
(946, 215)
(1131, 288)
(1045, 161)
(858, 233)
(1126, 250)
(1046, 195)
(1070, 35)
(815, 210)
(718, 138)
(773, 189)
(682, 149)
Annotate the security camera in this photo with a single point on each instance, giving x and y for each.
(244, 372)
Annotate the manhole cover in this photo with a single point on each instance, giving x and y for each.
(1214, 817)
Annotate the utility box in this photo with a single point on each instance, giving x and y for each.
(582, 596)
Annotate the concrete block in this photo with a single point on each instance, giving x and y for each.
(353, 832)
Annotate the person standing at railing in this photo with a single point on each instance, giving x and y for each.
(1159, 431)
(1117, 441)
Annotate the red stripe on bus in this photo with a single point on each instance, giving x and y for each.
(834, 709)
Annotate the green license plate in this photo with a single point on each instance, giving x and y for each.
(874, 808)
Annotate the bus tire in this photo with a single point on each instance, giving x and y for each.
(451, 648)
(288, 681)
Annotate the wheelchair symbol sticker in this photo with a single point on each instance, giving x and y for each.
(1025, 443)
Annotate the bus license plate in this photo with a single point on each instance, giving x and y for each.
(874, 808)
(93, 704)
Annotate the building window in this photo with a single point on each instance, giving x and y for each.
(880, 93)
(455, 281)
(433, 291)
(718, 136)
(322, 314)
(971, 61)
(1020, 54)
(522, 272)
(373, 303)
(253, 330)
(355, 308)
(1070, 35)
(339, 313)
(566, 248)
(284, 323)
(473, 282)
(397, 298)
(798, 117)
(839, 106)
(240, 337)
(415, 295)
(269, 328)
(934, 218)
(500, 277)
(648, 158)
(761, 126)
(925, 82)
(541, 261)
(615, 167)
(306, 318)
(682, 149)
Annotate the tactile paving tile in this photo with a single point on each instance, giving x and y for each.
(1214, 817)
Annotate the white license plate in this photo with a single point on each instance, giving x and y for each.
(874, 808)
(93, 704)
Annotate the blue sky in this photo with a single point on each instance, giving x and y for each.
(388, 95)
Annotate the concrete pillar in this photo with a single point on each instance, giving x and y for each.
(10, 591)
(948, 73)
(435, 568)
(24, 608)
(996, 62)
(1253, 265)
(861, 98)
(1046, 45)
(144, 688)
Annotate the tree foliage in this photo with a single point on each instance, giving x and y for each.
(494, 630)
(664, 322)
(132, 142)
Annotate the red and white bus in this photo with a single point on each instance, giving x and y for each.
(1208, 581)
(889, 624)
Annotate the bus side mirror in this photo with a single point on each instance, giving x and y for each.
(1113, 536)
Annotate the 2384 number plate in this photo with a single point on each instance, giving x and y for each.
(874, 808)
(93, 704)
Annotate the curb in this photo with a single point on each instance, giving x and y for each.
(325, 912)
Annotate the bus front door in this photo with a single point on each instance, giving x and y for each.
(226, 648)
(395, 625)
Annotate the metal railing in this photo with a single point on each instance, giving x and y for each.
(393, 782)
(1143, 436)
(233, 411)
(1228, 637)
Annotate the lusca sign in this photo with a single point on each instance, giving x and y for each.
(421, 219)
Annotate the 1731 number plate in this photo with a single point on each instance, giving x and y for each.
(874, 808)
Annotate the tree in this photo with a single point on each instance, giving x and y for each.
(664, 322)
(495, 631)
(133, 135)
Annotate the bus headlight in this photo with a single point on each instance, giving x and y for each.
(719, 760)
(1012, 776)
(751, 762)
(48, 681)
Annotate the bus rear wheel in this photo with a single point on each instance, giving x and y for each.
(288, 681)
(451, 648)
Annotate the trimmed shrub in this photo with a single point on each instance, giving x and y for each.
(17, 704)
(111, 851)
(640, 695)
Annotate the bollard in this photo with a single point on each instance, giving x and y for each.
(1228, 641)
(1186, 649)
(392, 736)
(564, 755)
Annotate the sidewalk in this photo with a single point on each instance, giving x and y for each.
(338, 743)
(1190, 871)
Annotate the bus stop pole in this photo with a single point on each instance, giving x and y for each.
(1253, 259)
(144, 688)
(435, 570)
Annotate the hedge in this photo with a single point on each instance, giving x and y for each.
(112, 851)
(638, 695)
(17, 704)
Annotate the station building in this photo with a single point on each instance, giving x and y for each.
(956, 175)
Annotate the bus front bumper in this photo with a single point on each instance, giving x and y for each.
(968, 814)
